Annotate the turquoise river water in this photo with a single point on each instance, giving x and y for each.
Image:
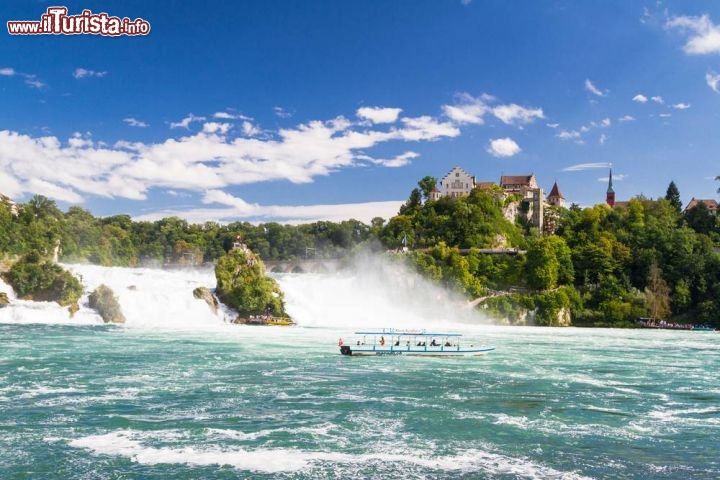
(178, 394)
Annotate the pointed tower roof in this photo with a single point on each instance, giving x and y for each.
(610, 187)
(555, 192)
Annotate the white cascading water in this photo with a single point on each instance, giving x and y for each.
(375, 293)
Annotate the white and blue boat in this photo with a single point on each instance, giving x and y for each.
(389, 341)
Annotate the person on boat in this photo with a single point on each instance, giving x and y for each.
(382, 341)
(447, 343)
(434, 343)
(397, 342)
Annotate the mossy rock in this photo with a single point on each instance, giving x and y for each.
(204, 293)
(243, 285)
(35, 278)
(4, 300)
(103, 300)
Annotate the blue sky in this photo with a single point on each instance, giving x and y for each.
(296, 111)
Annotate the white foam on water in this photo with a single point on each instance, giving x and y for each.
(129, 444)
(154, 298)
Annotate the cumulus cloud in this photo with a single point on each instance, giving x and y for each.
(134, 122)
(515, 114)
(704, 36)
(85, 73)
(472, 110)
(210, 159)
(640, 98)
(468, 109)
(626, 118)
(379, 114)
(503, 147)
(185, 122)
(590, 87)
(681, 106)
(657, 99)
(713, 81)
(7, 71)
(250, 129)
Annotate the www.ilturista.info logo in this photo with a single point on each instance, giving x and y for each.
(57, 22)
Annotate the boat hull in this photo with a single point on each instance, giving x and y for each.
(369, 351)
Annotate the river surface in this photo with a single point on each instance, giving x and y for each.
(178, 392)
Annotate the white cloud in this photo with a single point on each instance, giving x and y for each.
(249, 129)
(626, 118)
(603, 139)
(586, 166)
(510, 114)
(640, 98)
(216, 127)
(706, 35)
(568, 135)
(616, 176)
(713, 81)
(379, 114)
(657, 99)
(465, 2)
(399, 161)
(472, 110)
(425, 128)
(592, 88)
(237, 209)
(467, 109)
(185, 122)
(30, 79)
(282, 113)
(230, 116)
(681, 106)
(503, 147)
(134, 122)
(210, 159)
(553, 125)
(605, 122)
(665, 115)
(84, 73)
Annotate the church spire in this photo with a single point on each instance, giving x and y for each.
(610, 197)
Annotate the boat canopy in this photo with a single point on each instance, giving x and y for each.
(416, 333)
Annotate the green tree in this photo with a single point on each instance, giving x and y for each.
(673, 196)
(657, 294)
(427, 185)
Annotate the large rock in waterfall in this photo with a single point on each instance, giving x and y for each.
(243, 285)
(4, 300)
(36, 278)
(204, 293)
(104, 301)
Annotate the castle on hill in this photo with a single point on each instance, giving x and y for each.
(530, 203)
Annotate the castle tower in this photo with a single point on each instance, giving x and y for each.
(555, 198)
(610, 197)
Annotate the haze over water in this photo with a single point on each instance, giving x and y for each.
(179, 393)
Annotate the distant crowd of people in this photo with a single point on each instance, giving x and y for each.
(651, 323)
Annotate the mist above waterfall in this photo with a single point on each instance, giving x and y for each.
(374, 292)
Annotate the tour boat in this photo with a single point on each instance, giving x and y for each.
(389, 341)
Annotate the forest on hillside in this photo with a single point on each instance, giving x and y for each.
(606, 266)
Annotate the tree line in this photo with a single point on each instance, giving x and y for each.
(607, 266)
